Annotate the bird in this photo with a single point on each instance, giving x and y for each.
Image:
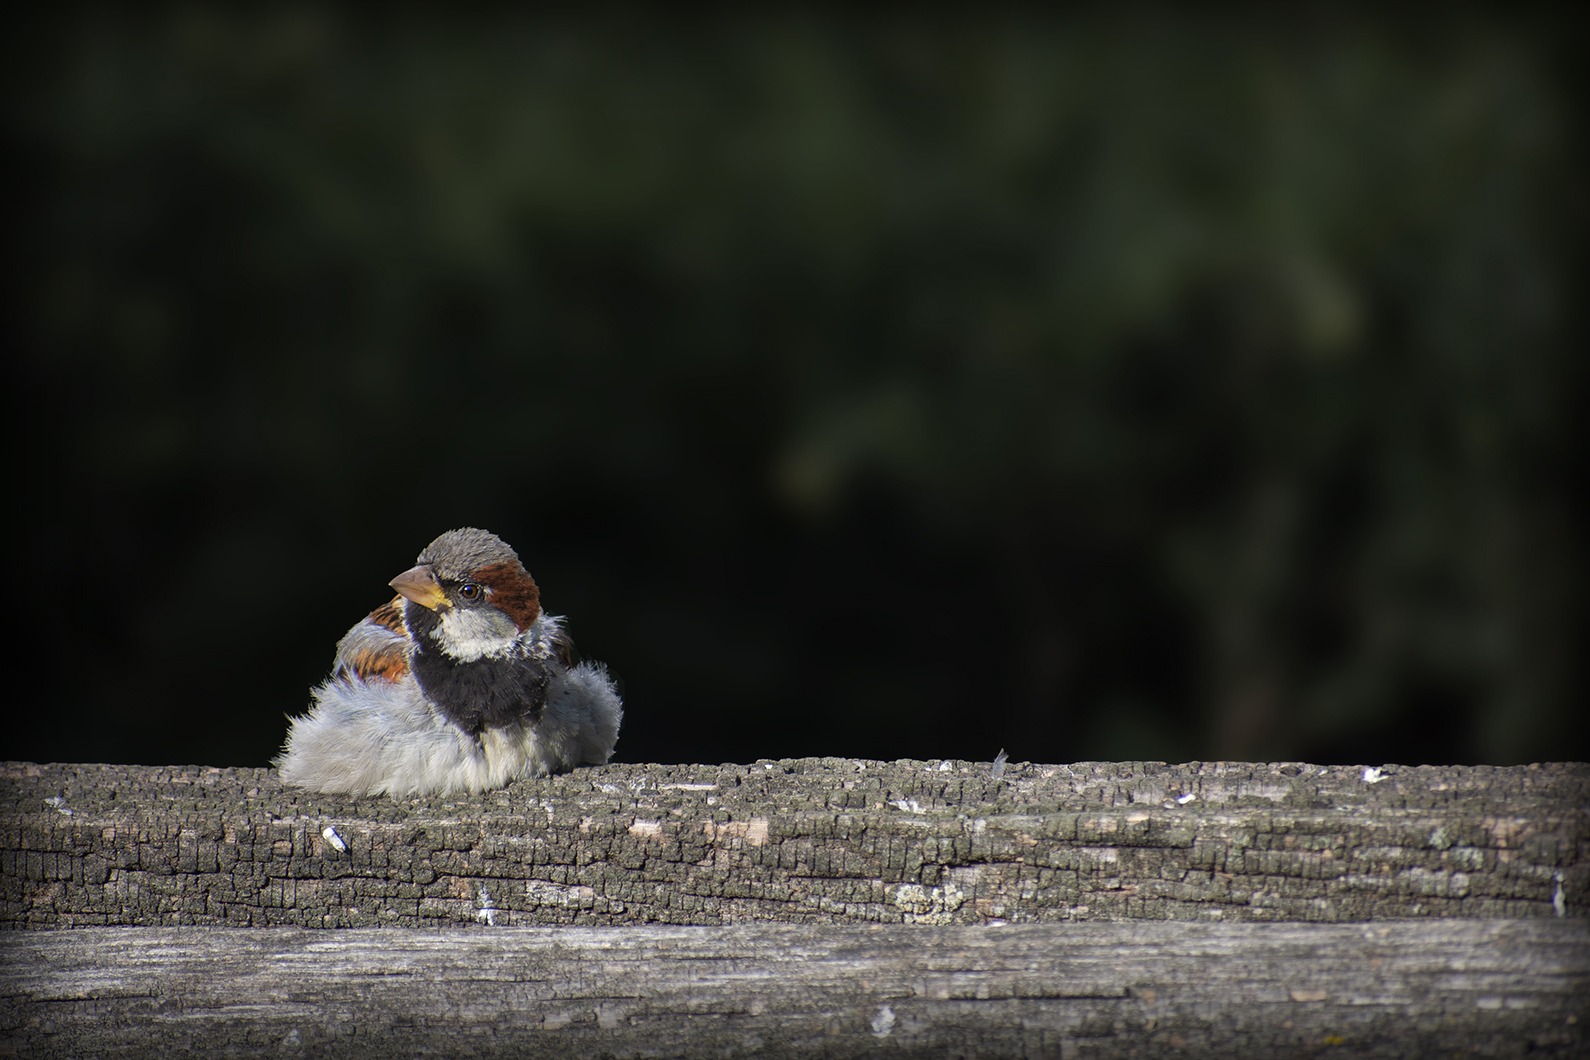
(460, 683)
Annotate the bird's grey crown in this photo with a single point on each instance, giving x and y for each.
(467, 549)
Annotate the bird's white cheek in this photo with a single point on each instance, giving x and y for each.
(475, 634)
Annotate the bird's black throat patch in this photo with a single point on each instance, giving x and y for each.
(486, 692)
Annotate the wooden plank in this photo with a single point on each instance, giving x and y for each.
(1405, 988)
(803, 841)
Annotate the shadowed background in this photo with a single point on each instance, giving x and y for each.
(1161, 387)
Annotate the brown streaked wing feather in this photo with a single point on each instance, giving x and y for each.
(390, 615)
(370, 666)
(377, 649)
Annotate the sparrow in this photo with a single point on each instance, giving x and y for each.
(459, 683)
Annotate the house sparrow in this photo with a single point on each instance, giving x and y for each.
(460, 683)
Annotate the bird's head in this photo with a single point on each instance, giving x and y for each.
(468, 595)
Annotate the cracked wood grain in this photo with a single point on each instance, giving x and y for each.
(1398, 988)
(817, 841)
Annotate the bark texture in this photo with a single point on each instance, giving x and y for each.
(1404, 988)
(805, 841)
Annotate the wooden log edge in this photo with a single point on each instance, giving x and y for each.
(800, 841)
(1407, 988)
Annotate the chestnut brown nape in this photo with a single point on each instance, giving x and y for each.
(513, 591)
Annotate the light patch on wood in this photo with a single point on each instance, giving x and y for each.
(1306, 995)
(754, 831)
(545, 892)
(645, 828)
(1505, 830)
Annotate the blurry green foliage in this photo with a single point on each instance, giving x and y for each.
(1153, 386)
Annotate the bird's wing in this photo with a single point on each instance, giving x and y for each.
(548, 640)
(377, 649)
(562, 646)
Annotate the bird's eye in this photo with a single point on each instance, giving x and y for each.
(469, 591)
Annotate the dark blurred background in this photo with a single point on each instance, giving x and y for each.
(1145, 387)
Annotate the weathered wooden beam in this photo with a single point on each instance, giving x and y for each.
(805, 841)
(1399, 988)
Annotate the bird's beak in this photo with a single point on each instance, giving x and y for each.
(419, 585)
